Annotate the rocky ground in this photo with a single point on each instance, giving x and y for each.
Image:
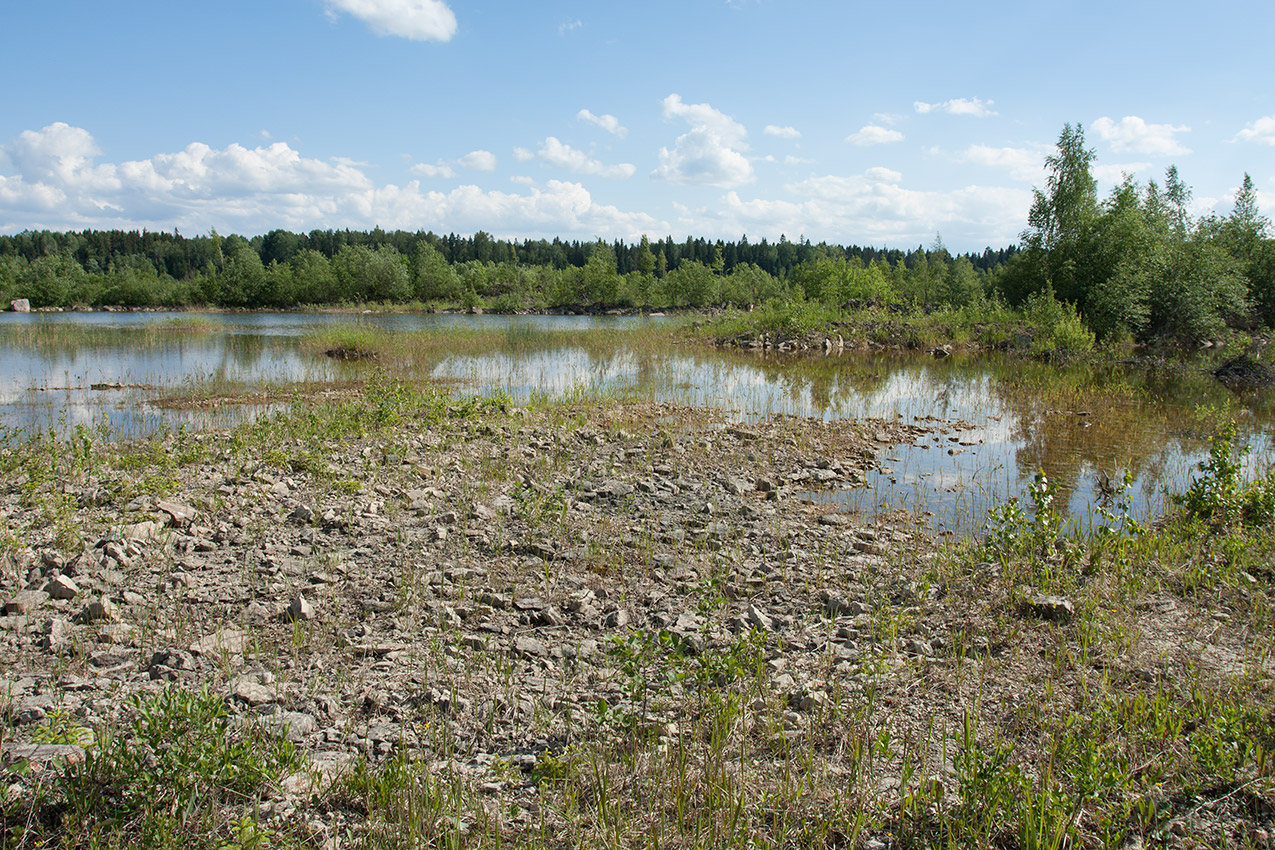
(493, 593)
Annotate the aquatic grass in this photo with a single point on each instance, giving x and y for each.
(49, 337)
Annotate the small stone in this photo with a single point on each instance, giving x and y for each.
(868, 548)
(179, 515)
(147, 530)
(294, 726)
(25, 601)
(62, 587)
(59, 637)
(253, 693)
(837, 606)
(302, 514)
(300, 610)
(1056, 608)
(99, 610)
(760, 619)
(529, 647)
(227, 641)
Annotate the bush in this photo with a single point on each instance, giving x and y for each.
(1220, 495)
(1057, 327)
(167, 779)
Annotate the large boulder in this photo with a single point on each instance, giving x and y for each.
(20, 305)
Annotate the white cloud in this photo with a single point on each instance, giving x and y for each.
(1134, 135)
(607, 122)
(871, 208)
(973, 106)
(1021, 163)
(523, 155)
(797, 160)
(556, 209)
(883, 175)
(1114, 172)
(710, 153)
(56, 183)
(474, 161)
(1261, 131)
(442, 169)
(563, 155)
(874, 135)
(782, 132)
(567, 26)
(419, 20)
(478, 161)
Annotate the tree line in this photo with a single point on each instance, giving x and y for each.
(284, 269)
(1136, 265)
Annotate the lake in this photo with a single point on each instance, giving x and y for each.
(997, 420)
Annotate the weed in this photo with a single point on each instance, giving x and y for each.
(167, 778)
(1220, 496)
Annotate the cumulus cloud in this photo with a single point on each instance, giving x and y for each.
(873, 208)
(555, 209)
(1021, 163)
(1131, 134)
(710, 153)
(874, 135)
(883, 175)
(1261, 131)
(556, 153)
(441, 169)
(474, 161)
(782, 132)
(52, 179)
(973, 106)
(478, 161)
(419, 20)
(607, 122)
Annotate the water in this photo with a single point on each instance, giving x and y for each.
(1014, 417)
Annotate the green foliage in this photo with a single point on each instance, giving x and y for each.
(1012, 532)
(364, 274)
(1220, 496)
(166, 779)
(59, 727)
(692, 284)
(1057, 328)
(407, 805)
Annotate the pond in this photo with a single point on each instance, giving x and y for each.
(997, 420)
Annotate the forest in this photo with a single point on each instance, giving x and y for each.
(1135, 265)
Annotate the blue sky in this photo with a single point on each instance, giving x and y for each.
(868, 123)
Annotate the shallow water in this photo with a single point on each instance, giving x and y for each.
(1017, 417)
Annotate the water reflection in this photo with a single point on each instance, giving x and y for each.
(1015, 417)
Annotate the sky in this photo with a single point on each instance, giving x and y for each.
(884, 124)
